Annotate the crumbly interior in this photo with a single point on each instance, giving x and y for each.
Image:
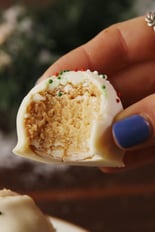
(60, 123)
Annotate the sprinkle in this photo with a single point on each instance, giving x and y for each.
(105, 76)
(118, 94)
(59, 94)
(59, 77)
(56, 74)
(1, 213)
(95, 72)
(103, 86)
(61, 72)
(117, 100)
(104, 90)
(50, 81)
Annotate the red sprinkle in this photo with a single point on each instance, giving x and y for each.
(117, 100)
(118, 94)
(56, 74)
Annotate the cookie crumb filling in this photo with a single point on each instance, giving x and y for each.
(60, 125)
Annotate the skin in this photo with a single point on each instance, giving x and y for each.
(126, 53)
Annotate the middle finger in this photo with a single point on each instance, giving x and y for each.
(135, 82)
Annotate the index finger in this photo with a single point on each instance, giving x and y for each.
(111, 50)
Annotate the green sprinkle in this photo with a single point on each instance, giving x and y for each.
(103, 86)
(61, 72)
(50, 81)
(104, 90)
(104, 76)
(59, 94)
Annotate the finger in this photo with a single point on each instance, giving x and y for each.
(135, 82)
(112, 49)
(135, 159)
(135, 126)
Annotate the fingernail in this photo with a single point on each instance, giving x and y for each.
(131, 131)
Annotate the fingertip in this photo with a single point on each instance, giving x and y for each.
(131, 131)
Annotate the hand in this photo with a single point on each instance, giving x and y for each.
(126, 53)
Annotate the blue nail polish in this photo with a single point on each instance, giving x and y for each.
(131, 131)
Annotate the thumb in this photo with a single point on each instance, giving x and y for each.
(134, 128)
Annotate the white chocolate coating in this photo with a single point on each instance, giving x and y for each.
(98, 102)
(19, 213)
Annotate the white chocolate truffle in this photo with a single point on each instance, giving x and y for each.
(19, 213)
(67, 119)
